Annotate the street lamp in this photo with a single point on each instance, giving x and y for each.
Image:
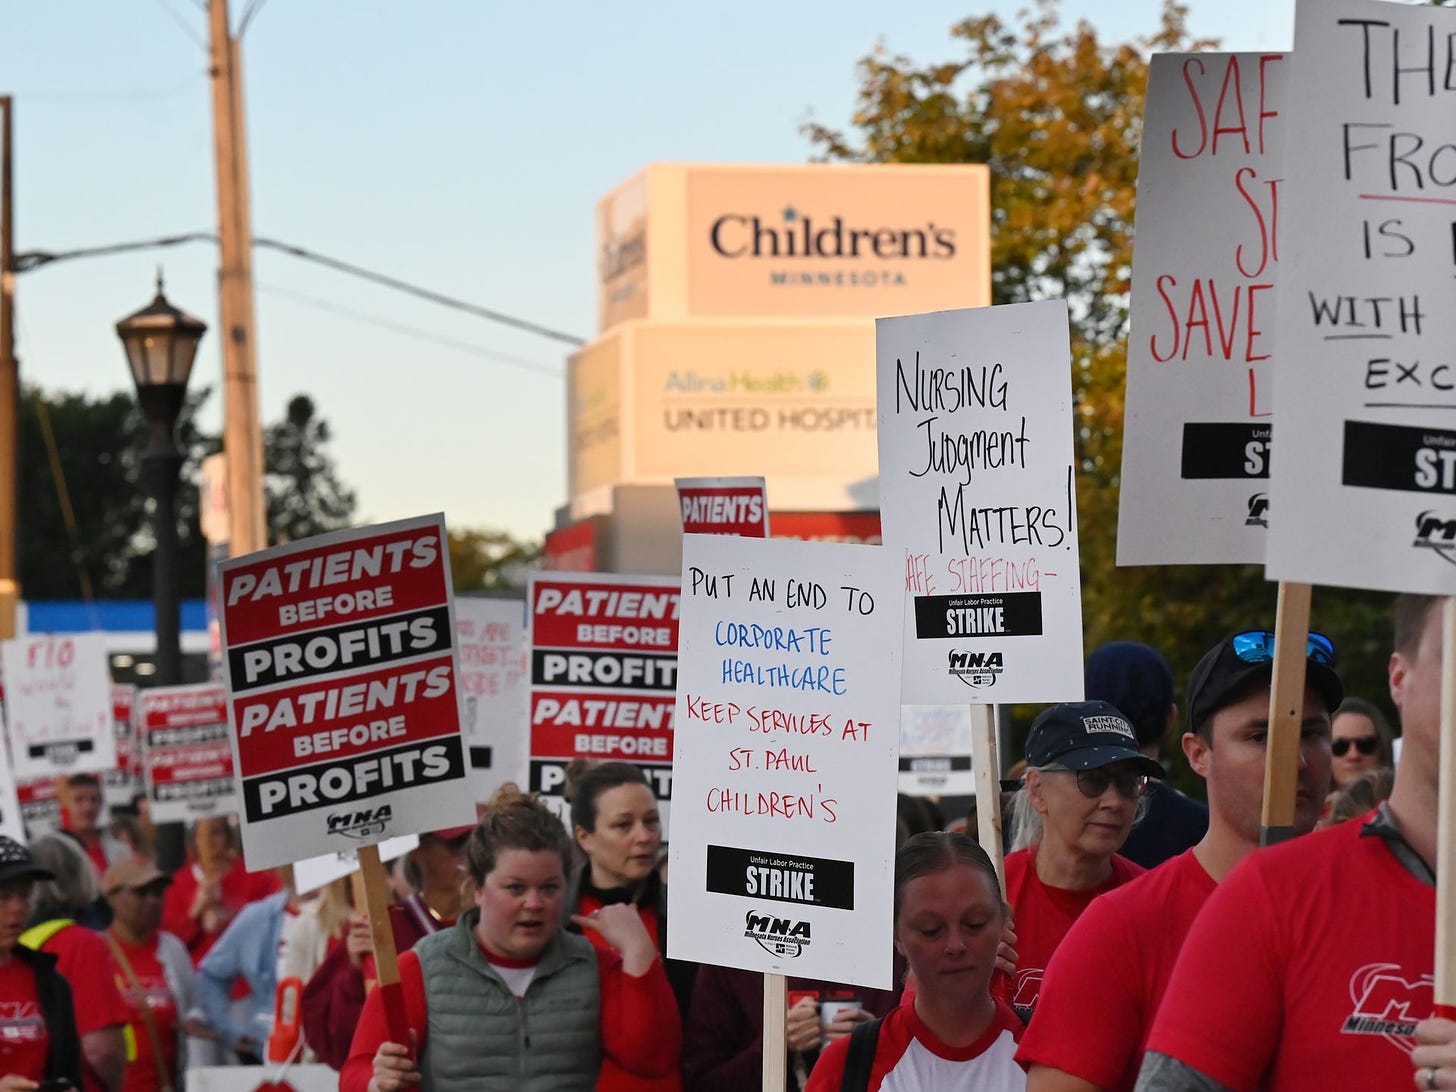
(161, 343)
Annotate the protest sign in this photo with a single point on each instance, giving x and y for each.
(58, 705)
(11, 823)
(1363, 391)
(976, 490)
(935, 751)
(340, 661)
(313, 872)
(783, 837)
(1200, 357)
(492, 637)
(121, 783)
(186, 751)
(40, 805)
(723, 506)
(603, 675)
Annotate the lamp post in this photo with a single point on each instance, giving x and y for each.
(161, 343)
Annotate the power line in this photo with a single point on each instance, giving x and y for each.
(254, 6)
(182, 24)
(107, 96)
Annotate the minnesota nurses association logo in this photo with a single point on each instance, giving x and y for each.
(1389, 1003)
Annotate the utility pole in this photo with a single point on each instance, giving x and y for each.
(242, 433)
(9, 389)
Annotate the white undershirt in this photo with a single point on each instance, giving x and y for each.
(517, 978)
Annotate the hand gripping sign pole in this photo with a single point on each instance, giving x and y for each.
(1446, 821)
(386, 960)
(1286, 713)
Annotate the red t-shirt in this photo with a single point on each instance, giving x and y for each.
(1307, 970)
(85, 961)
(23, 1037)
(1121, 952)
(908, 1055)
(97, 852)
(238, 887)
(143, 1072)
(1042, 916)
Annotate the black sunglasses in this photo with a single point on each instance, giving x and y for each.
(1365, 745)
(1093, 783)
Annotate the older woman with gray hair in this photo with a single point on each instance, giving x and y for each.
(1084, 781)
(82, 958)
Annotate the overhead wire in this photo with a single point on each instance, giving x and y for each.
(183, 25)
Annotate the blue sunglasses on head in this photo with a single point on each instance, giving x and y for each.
(1257, 647)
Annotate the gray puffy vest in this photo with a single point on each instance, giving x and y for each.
(482, 1038)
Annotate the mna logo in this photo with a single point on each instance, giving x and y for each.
(1435, 533)
(1258, 511)
(777, 936)
(1388, 1004)
(360, 824)
(976, 669)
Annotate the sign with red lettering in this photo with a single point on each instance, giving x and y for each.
(11, 823)
(122, 783)
(603, 675)
(339, 654)
(1363, 492)
(40, 805)
(788, 715)
(1196, 438)
(493, 669)
(977, 497)
(58, 705)
(187, 754)
(723, 506)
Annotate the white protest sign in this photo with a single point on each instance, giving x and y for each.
(186, 753)
(787, 711)
(1195, 448)
(313, 872)
(976, 488)
(723, 506)
(40, 805)
(935, 751)
(12, 825)
(603, 675)
(493, 670)
(1363, 489)
(339, 653)
(58, 705)
(121, 784)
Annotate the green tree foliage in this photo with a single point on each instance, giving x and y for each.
(489, 561)
(302, 491)
(1056, 114)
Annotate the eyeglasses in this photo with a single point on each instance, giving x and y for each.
(1093, 783)
(1257, 647)
(1365, 745)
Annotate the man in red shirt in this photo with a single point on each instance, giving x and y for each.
(83, 824)
(1309, 967)
(1122, 950)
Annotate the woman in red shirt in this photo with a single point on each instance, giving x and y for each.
(208, 891)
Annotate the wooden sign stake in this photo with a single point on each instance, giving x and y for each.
(775, 1033)
(386, 960)
(1286, 714)
(987, 767)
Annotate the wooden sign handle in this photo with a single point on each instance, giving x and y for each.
(987, 769)
(386, 959)
(1446, 821)
(775, 1033)
(1286, 714)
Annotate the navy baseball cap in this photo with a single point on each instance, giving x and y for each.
(1137, 680)
(16, 863)
(1085, 735)
(1230, 668)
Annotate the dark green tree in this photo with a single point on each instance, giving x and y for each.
(302, 490)
(489, 561)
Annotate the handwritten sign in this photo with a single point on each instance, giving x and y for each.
(1363, 492)
(12, 825)
(723, 506)
(491, 634)
(339, 653)
(58, 705)
(186, 751)
(1196, 437)
(603, 675)
(976, 488)
(121, 784)
(935, 751)
(787, 714)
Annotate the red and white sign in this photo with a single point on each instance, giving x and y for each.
(493, 667)
(40, 806)
(603, 675)
(11, 824)
(123, 782)
(723, 506)
(340, 659)
(187, 756)
(58, 705)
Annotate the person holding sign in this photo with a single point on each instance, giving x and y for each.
(1085, 777)
(507, 998)
(1073, 1048)
(38, 1040)
(953, 1034)
(1435, 1054)
(209, 890)
(1310, 984)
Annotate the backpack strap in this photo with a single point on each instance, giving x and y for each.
(860, 1058)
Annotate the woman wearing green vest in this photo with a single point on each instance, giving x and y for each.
(507, 999)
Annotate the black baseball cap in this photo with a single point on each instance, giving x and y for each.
(16, 863)
(1230, 668)
(1085, 735)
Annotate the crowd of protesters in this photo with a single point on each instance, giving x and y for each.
(1142, 942)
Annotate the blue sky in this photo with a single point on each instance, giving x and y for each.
(459, 145)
